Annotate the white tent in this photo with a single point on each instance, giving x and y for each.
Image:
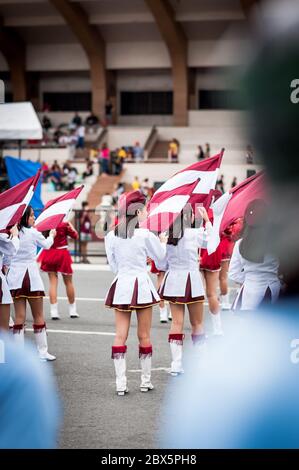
(19, 121)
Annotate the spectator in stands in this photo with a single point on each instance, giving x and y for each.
(104, 159)
(85, 231)
(89, 169)
(207, 151)
(122, 153)
(200, 153)
(116, 163)
(57, 135)
(72, 142)
(45, 172)
(46, 123)
(119, 189)
(91, 120)
(56, 167)
(136, 184)
(72, 178)
(76, 121)
(56, 178)
(108, 112)
(145, 187)
(173, 151)
(220, 184)
(138, 152)
(234, 182)
(249, 154)
(81, 137)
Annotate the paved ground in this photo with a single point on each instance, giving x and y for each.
(94, 417)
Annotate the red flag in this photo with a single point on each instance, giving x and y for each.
(14, 201)
(232, 205)
(55, 210)
(194, 185)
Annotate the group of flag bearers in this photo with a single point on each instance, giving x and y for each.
(198, 234)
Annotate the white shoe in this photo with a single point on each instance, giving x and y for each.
(225, 303)
(146, 366)
(73, 310)
(47, 357)
(122, 393)
(163, 315)
(216, 322)
(41, 340)
(54, 312)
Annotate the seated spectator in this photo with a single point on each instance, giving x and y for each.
(136, 184)
(91, 120)
(89, 169)
(138, 152)
(118, 191)
(173, 151)
(45, 172)
(72, 178)
(207, 151)
(145, 187)
(116, 163)
(46, 123)
(56, 167)
(200, 153)
(122, 153)
(76, 121)
(56, 178)
(249, 154)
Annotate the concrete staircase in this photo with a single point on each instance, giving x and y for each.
(103, 185)
(159, 152)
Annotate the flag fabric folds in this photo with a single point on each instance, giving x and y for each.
(232, 205)
(14, 201)
(56, 210)
(194, 184)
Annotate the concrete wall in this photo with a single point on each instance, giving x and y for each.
(41, 154)
(122, 136)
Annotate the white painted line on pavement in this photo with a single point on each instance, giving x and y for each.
(165, 369)
(83, 299)
(75, 332)
(91, 267)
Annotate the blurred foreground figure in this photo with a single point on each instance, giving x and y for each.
(29, 411)
(246, 393)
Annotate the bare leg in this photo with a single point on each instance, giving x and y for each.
(212, 280)
(223, 277)
(53, 283)
(122, 324)
(69, 287)
(177, 324)
(196, 318)
(20, 316)
(144, 318)
(4, 316)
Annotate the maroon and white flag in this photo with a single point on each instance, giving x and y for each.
(55, 210)
(232, 205)
(194, 184)
(14, 201)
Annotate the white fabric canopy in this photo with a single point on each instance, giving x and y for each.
(19, 121)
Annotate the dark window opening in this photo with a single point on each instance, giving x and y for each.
(219, 99)
(62, 101)
(146, 102)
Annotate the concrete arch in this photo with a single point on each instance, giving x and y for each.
(94, 46)
(177, 44)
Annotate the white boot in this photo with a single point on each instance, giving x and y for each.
(18, 335)
(176, 348)
(163, 315)
(199, 349)
(145, 355)
(11, 322)
(119, 359)
(225, 303)
(73, 310)
(54, 312)
(40, 335)
(169, 315)
(216, 322)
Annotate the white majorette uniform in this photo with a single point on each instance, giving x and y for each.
(182, 283)
(23, 277)
(259, 281)
(132, 288)
(8, 247)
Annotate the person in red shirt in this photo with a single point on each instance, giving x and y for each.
(58, 260)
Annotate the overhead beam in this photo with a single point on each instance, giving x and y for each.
(176, 42)
(14, 51)
(94, 46)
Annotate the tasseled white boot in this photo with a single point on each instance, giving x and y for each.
(163, 315)
(145, 355)
(216, 322)
(54, 312)
(225, 303)
(40, 335)
(18, 335)
(176, 348)
(73, 310)
(119, 359)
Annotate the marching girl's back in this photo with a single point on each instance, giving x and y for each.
(182, 284)
(9, 245)
(128, 248)
(25, 283)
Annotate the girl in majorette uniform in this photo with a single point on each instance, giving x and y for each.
(164, 314)
(182, 284)
(57, 259)
(25, 283)
(251, 265)
(226, 246)
(127, 249)
(210, 265)
(9, 245)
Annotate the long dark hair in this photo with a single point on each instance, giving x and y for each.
(25, 218)
(176, 230)
(253, 236)
(128, 222)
